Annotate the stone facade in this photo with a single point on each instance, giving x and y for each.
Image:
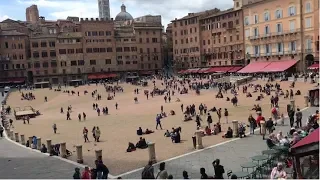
(64, 50)
(282, 30)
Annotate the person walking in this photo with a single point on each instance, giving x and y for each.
(219, 114)
(97, 133)
(299, 118)
(158, 120)
(148, 171)
(181, 107)
(85, 134)
(218, 169)
(1, 131)
(54, 127)
(84, 116)
(226, 114)
(162, 174)
(68, 115)
(209, 120)
(116, 105)
(11, 123)
(79, 117)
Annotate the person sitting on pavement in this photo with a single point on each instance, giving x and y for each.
(139, 131)
(242, 131)
(229, 133)
(142, 144)
(44, 149)
(208, 131)
(131, 147)
(215, 129)
(167, 133)
(148, 131)
(270, 141)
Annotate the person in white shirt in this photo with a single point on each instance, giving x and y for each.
(162, 174)
(279, 136)
(278, 172)
(284, 141)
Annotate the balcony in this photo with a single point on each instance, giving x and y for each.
(293, 32)
(308, 51)
(4, 59)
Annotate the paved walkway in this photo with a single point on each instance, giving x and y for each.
(231, 155)
(18, 162)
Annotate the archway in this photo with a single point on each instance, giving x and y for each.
(309, 59)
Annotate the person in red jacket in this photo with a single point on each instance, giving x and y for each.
(259, 119)
(86, 174)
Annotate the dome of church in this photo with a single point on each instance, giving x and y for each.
(123, 15)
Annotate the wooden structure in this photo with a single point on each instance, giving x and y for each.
(306, 156)
(19, 113)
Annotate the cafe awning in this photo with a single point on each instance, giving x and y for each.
(182, 71)
(203, 70)
(235, 69)
(101, 76)
(314, 66)
(254, 67)
(279, 66)
(12, 80)
(218, 69)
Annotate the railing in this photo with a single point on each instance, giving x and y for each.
(3, 58)
(273, 34)
(289, 52)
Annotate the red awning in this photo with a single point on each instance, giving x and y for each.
(218, 69)
(12, 80)
(203, 70)
(254, 67)
(101, 76)
(235, 69)
(314, 66)
(146, 72)
(182, 71)
(190, 71)
(279, 66)
(311, 138)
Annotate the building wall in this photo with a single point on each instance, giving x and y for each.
(149, 45)
(186, 42)
(297, 36)
(13, 55)
(99, 45)
(222, 42)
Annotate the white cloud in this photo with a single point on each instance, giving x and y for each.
(4, 17)
(168, 9)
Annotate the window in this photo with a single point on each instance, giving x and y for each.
(45, 64)
(53, 64)
(52, 44)
(292, 11)
(266, 16)
(292, 25)
(308, 7)
(62, 51)
(73, 63)
(308, 44)
(268, 49)
(266, 30)
(279, 47)
(256, 50)
(44, 54)
(256, 19)
(80, 62)
(44, 44)
(34, 44)
(278, 14)
(79, 50)
(147, 40)
(308, 22)
(93, 62)
(36, 54)
(109, 49)
(256, 32)
(70, 51)
(279, 28)
(154, 40)
(108, 61)
(292, 46)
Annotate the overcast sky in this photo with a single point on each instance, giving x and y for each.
(61, 9)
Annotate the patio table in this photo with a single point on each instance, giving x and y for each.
(249, 165)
